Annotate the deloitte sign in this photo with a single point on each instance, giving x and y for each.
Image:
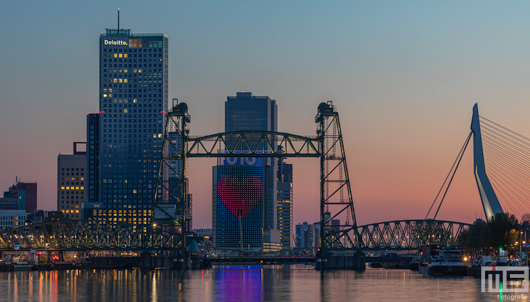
(115, 42)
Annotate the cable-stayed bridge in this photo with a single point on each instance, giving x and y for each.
(501, 161)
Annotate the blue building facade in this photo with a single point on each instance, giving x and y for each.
(238, 206)
(248, 112)
(132, 103)
(92, 157)
(285, 203)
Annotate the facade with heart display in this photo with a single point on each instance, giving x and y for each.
(238, 205)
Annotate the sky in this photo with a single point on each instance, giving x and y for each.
(403, 75)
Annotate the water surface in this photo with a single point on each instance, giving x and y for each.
(238, 283)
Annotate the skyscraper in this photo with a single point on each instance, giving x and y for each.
(133, 101)
(92, 157)
(17, 202)
(285, 202)
(244, 191)
(304, 235)
(71, 182)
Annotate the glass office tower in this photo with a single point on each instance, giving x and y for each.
(285, 202)
(247, 112)
(133, 100)
(92, 157)
(238, 206)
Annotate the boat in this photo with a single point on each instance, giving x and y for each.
(443, 260)
(22, 266)
(415, 263)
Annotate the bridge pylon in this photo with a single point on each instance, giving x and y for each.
(490, 202)
(171, 201)
(338, 224)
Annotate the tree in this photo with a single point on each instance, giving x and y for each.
(525, 217)
(500, 231)
(476, 237)
(503, 230)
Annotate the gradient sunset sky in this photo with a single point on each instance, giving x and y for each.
(404, 76)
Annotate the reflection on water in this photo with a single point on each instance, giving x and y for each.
(238, 283)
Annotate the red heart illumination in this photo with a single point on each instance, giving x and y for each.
(239, 195)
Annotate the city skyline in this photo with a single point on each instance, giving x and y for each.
(404, 92)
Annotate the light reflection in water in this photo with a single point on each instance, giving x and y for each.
(237, 283)
(243, 283)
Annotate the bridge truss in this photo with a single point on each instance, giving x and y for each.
(67, 235)
(409, 234)
(83, 235)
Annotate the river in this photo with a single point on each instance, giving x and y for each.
(239, 283)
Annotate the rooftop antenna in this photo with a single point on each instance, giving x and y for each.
(118, 21)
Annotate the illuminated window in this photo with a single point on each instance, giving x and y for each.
(124, 110)
(115, 80)
(125, 80)
(125, 55)
(121, 80)
(120, 55)
(115, 55)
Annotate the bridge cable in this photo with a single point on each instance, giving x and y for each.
(459, 156)
(508, 159)
(499, 153)
(503, 156)
(508, 143)
(507, 129)
(514, 196)
(454, 172)
(512, 184)
(517, 181)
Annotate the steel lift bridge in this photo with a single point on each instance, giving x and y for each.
(168, 225)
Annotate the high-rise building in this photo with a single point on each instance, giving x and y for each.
(285, 202)
(238, 206)
(92, 157)
(71, 182)
(19, 200)
(133, 100)
(334, 225)
(22, 196)
(304, 235)
(245, 190)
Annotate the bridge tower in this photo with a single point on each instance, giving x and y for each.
(334, 182)
(170, 209)
(490, 202)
